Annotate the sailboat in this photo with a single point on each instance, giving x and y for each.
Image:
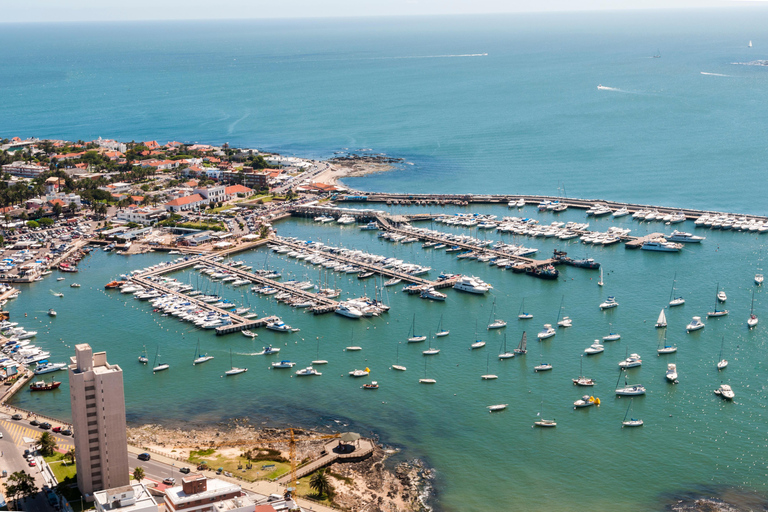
(675, 301)
(522, 315)
(658, 55)
(318, 360)
(234, 370)
(200, 358)
(504, 354)
(632, 422)
(565, 321)
(542, 367)
(431, 351)
(666, 349)
(488, 375)
(627, 390)
(397, 366)
(582, 380)
(600, 282)
(752, 317)
(522, 347)
(662, 321)
(425, 380)
(542, 422)
(143, 359)
(750, 44)
(414, 338)
(719, 297)
(159, 367)
(478, 342)
(440, 331)
(495, 323)
(722, 363)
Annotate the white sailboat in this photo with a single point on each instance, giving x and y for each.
(522, 347)
(522, 315)
(675, 301)
(582, 380)
(397, 365)
(541, 422)
(478, 342)
(495, 323)
(565, 321)
(752, 321)
(632, 422)
(413, 338)
(666, 349)
(425, 380)
(318, 360)
(200, 358)
(601, 282)
(143, 359)
(504, 354)
(488, 375)
(719, 297)
(662, 320)
(234, 370)
(431, 351)
(159, 367)
(722, 363)
(440, 331)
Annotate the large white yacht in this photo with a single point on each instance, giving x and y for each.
(682, 236)
(660, 246)
(472, 285)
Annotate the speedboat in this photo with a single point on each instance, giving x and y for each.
(759, 279)
(497, 407)
(631, 362)
(269, 350)
(283, 364)
(586, 401)
(51, 312)
(671, 374)
(359, 373)
(725, 391)
(249, 334)
(307, 371)
(594, 348)
(543, 367)
(609, 303)
(547, 332)
(695, 324)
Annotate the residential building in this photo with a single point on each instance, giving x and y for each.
(111, 144)
(98, 420)
(212, 194)
(234, 190)
(53, 184)
(117, 187)
(129, 498)
(146, 215)
(197, 493)
(67, 198)
(24, 169)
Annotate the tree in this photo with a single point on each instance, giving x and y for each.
(100, 209)
(20, 485)
(72, 207)
(39, 213)
(57, 209)
(47, 444)
(320, 484)
(45, 221)
(32, 224)
(138, 473)
(70, 456)
(264, 232)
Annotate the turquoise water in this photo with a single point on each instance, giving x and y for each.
(526, 118)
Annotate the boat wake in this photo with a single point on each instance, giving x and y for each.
(714, 74)
(452, 56)
(752, 63)
(606, 88)
(231, 127)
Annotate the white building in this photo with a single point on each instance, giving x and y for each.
(117, 188)
(24, 170)
(146, 215)
(200, 494)
(111, 144)
(128, 498)
(67, 198)
(213, 194)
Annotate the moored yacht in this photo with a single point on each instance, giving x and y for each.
(695, 324)
(595, 348)
(471, 285)
(725, 391)
(671, 374)
(683, 237)
(547, 332)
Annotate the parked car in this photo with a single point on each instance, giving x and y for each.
(16, 416)
(32, 463)
(169, 481)
(45, 425)
(144, 456)
(34, 423)
(56, 429)
(184, 470)
(66, 432)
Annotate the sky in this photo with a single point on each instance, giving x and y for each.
(106, 10)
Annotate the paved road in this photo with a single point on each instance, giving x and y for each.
(12, 460)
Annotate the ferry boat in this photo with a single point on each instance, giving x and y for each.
(44, 386)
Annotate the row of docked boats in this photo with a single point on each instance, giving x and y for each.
(724, 221)
(18, 349)
(344, 219)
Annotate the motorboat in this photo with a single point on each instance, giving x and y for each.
(695, 324)
(44, 386)
(725, 391)
(372, 385)
(497, 407)
(759, 279)
(586, 401)
(392, 282)
(609, 303)
(547, 332)
(683, 237)
(595, 348)
(565, 322)
(248, 334)
(432, 294)
(49, 368)
(279, 326)
(307, 371)
(660, 246)
(721, 296)
(268, 350)
(283, 364)
(631, 362)
(348, 310)
(52, 312)
(471, 285)
(671, 374)
(583, 381)
(74, 285)
(359, 373)
(621, 212)
(353, 348)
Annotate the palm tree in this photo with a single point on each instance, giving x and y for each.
(138, 473)
(70, 456)
(47, 444)
(320, 484)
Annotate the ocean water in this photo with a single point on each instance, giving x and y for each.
(525, 118)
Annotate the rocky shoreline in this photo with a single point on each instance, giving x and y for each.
(355, 166)
(371, 484)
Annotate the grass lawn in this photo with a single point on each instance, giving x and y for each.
(61, 469)
(216, 461)
(303, 489)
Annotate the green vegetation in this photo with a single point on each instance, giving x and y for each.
(237, 464)
(61, 468)
(202, 225)
(45, 221)
(32, 224)
(138, 473)
(47, 443)
(20, 485)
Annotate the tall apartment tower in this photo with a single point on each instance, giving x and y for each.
(98, 420)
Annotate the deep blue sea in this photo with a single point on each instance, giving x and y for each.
(505, 104)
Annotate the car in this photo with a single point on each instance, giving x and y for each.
(144, 456)
(32, 463)
(28, 457)
(66, 432)
(34, 423)
(56, 429)
(45, 425)
(184, 470)
(1, 435)
(169, 481)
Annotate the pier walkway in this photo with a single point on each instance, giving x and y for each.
(362, 448)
